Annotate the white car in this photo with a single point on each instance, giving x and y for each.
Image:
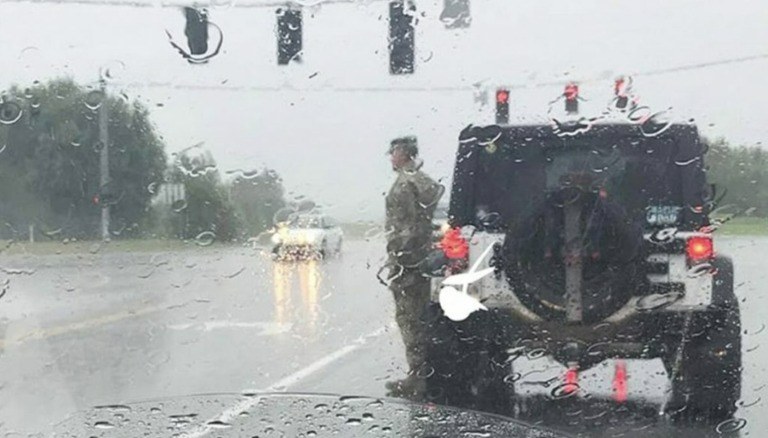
(307, 235)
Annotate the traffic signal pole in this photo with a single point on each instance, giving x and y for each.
(104, 158)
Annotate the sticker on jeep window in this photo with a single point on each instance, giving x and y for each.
(662, 215)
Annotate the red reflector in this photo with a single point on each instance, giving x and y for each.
(620, 382)
(571, 381)
(571, 91)
(453, 245)
(502, 96)
(699, 248)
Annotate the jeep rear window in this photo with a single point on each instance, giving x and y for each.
(501, 181)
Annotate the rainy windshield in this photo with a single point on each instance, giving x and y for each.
(307, 222)
(383, 218)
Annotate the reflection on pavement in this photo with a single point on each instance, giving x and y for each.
(310, 279)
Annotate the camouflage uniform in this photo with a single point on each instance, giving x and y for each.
(410, 205)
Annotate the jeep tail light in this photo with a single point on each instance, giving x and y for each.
(454, 246)
(699, 249)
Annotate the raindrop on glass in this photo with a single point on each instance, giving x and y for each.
(103, 425)
(10, 113)
(179, 205)
(731, 425)
(205, 238)
(94, 99)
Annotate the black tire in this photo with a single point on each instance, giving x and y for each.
(465, 366)
(708, 382)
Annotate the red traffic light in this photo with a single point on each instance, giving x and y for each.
(571, 91)
(502, 96)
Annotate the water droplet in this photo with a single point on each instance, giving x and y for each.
(536, 353)
(93, 99)
(103, 425)
(512, 378)
(2, 148)
(701, 269)
(685, 162)
(730, 425)
(10, 113)
(657, 301)
(98, 146)
(218, 424)
(321, 407)
(564, 390)
(179, 205)
(744, 404)
(152, 188)
(112, 70)
(354, 421)
(425, 372)
(75, 142)
(205, 238)
(244, 174)
(656, 124)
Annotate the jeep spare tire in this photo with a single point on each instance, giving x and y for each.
(574, 242)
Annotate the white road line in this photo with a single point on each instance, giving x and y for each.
(233, 411)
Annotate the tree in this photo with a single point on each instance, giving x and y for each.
(741, 173)
(49, 169)
(257, 198)
(207, 206)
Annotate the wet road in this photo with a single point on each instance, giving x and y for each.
(93, 329)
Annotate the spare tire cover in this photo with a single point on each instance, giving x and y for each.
(533, 256)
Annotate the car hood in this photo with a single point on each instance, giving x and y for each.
(301, 236)
(247, 415)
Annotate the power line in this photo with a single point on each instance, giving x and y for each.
(428, 89)
(222, 4)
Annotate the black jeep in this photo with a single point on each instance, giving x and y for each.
(602, 249)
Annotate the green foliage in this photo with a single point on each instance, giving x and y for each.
(741, 173)
(257, 199)
(49, 170)
(207, 206)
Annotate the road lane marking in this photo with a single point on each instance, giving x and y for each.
(233, 411)
(265, 328)
(39, 334)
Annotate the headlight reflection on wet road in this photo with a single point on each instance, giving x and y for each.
(309, 282)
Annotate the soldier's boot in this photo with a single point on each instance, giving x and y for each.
(411, 388)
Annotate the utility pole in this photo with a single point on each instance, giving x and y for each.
(104, 159)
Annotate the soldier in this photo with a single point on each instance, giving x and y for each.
(410, 205)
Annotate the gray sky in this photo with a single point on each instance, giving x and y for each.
(327, 134)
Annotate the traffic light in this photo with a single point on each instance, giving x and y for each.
(455, 14)
(502, 106)
(401, 37)
(289, 35)
(196, 30)
(622, 88)
(571, 95)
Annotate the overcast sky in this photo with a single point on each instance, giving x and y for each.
(324, 125)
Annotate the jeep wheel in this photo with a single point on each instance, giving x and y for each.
(464, 367)
(707, 382)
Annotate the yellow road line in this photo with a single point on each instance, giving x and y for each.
(39, 334)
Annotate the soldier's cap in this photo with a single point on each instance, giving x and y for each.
(408, 144)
